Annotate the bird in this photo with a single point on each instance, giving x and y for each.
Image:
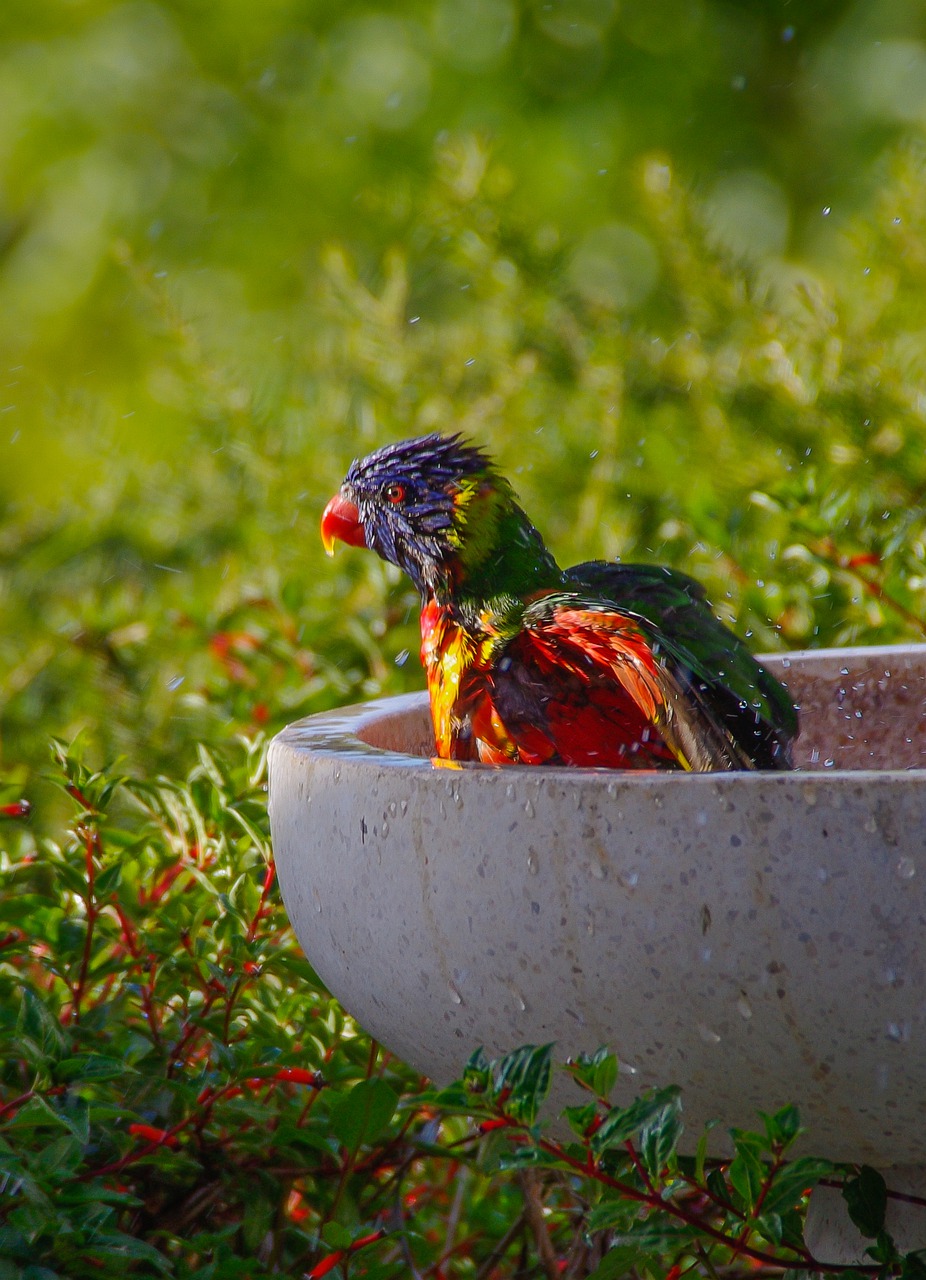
(602, 665)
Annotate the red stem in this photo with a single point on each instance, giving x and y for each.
(91, 846)
(654, 1201)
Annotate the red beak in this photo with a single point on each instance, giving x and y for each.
(341, 521)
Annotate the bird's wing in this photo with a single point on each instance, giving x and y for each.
(746, 698)
(586, 682)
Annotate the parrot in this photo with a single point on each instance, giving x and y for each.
(603, 665)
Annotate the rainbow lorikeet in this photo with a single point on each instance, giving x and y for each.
(623, 666)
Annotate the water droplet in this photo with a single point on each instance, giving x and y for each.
(384, 830)
(786, 663)
(612, 789)
(317, 901)
(175, 683)
(701, 818)
(743, 1007)
(597, 869)
(521, 1002)
(403, 807)
(827, 210)
(822, 875)
(897, 1031)
(905, 869)
(401, 658)
(707, 1035)
(510, 792)
(828, 764)
(454, 994)
(590, 926)
(532, 863)
(706, 954)
(393, 808)
(528, 808)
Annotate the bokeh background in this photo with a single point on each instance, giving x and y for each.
(666, 257)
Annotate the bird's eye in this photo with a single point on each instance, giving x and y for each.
(394, 493)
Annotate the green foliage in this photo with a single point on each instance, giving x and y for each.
(232, 257)
(700, 1216)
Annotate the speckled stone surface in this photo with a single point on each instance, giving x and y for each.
(757, 939)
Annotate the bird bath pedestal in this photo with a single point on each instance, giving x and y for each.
(755, 938)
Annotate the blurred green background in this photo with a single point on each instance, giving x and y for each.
(666, 257)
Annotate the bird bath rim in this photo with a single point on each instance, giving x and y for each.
(359, 729)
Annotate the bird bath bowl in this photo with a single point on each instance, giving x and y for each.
(755, 938)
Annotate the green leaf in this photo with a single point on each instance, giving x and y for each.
(717, 1186)
(36, 1027)
(883, 1250)
(528, 1158)
(783, 1127)
(579, 1118)
(792, 1180)
(107, 881)
(866, 1199)
(526, 1074)
(477, 1073)
(619, 1261)
(701, 1153)
(92, 1066)
(622, 1123)
(336, 1236)
(60, 1157)
(914, 1265)
(747, 1175)
(119, 1245)
(659, 1137)
(362, 1114)
(611, 1215)
(604, 1077)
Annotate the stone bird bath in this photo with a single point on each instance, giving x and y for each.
(757, 939)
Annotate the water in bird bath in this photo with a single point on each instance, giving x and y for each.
(860, 709)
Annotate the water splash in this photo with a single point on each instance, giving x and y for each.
(904, 868)
(519, 998)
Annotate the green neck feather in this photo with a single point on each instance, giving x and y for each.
(500, 557)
